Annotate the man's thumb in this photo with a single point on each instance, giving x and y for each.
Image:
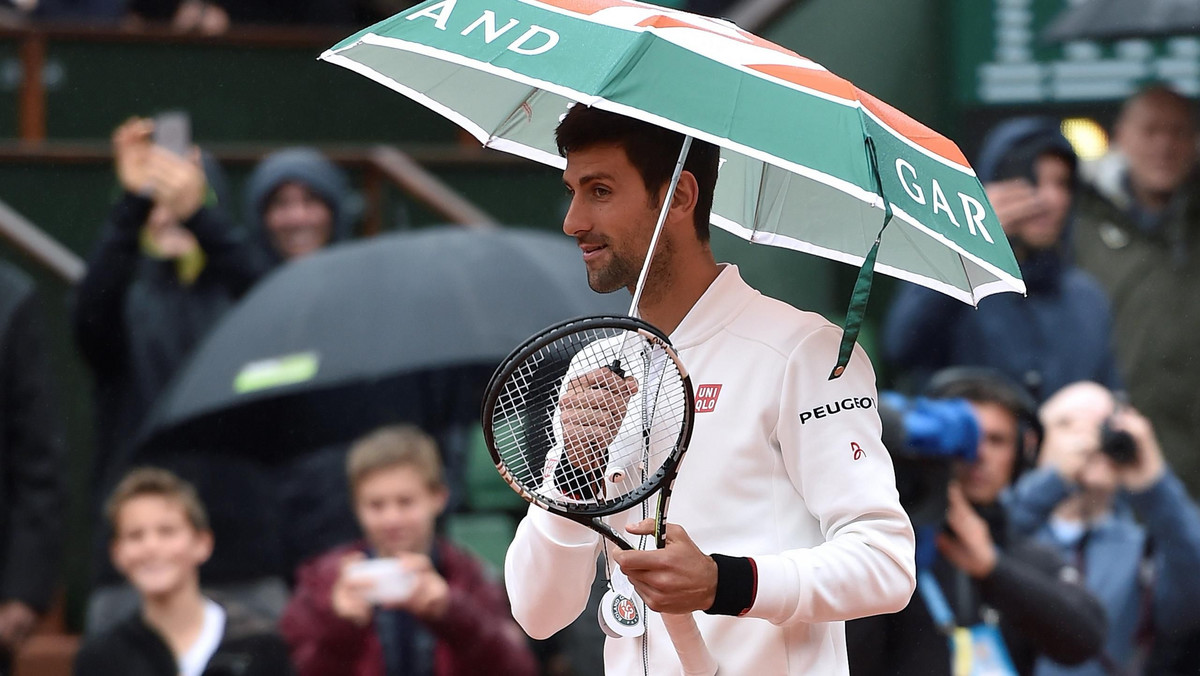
(643, 527)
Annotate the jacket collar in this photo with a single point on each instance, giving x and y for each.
(716, 308)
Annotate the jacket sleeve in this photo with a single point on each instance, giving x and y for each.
(1173, 524)
(544, 603)
(96, 315)
(838, 464)
(320, 642)
(479, 627)
(1032, 499)
(34, 455)
(1061, 619)
(917, 328)
(229, 252)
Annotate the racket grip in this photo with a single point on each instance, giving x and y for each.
(694, 657)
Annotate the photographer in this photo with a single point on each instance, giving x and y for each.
(432, 609)
(980, 591)
(1099, 466)
(167, 264)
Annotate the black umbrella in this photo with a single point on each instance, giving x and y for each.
(402, 327)
(1121, 19)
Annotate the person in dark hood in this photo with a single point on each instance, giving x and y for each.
(298, 202)
(1061, 331)
(166, 266)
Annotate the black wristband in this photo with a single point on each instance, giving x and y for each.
(737, 585)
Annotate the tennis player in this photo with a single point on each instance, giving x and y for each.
(785, 520)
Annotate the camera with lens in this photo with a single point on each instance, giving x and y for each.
(925, 437)
(1117, 444)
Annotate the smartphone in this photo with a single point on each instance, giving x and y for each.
(390, 581)
(173, 131)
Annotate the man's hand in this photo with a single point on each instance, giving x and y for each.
(177, 183)
(676, 579)
(592, 409)
(1148, 466)
(1014, 201)
(349, 599)
(1068, 444)
(16, 622)
(431, 595)
(131, 146)
(970, 549)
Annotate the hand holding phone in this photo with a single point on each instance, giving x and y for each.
(389, 581)
(173, 131)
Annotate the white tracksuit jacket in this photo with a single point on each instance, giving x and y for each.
(785, 467)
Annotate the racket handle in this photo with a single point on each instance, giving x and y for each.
(694, 657)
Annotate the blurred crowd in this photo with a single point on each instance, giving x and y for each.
(214, 17)
(1045, 445)
(1066, 541)
(208, 17)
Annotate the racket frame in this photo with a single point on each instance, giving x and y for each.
(663, 478)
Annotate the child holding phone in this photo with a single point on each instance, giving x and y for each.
(402, 598)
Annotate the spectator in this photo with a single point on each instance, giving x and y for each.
(1138, 232)
(1079, 501)
(1057, 334)
(31, 467)
(213, 17)
(453, 622)
(299, 201)
(160, 539)
(989, 580)
(167, 265)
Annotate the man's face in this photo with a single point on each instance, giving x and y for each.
(397, 510)
(156, 547)
(984, 480)
(1157, 136)
(297, 220)
(1080, 412)
(1054, 192)
(612, 217)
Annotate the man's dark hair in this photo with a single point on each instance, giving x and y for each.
(984, 385)
(651, 149)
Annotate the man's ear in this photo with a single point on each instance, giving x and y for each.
(687, 192)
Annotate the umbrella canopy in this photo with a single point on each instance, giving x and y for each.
(402, 327)
(1122, 19)
(809, 161)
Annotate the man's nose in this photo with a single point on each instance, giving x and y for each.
(573, 222)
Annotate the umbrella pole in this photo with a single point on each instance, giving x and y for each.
(662, 218)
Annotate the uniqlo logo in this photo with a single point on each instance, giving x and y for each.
(706, 398)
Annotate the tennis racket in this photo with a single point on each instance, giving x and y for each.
(590, 418)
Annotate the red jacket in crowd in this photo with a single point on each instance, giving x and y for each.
(476, 636)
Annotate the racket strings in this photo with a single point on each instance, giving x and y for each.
(590, 417)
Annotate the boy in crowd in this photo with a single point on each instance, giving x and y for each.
(160, 539)
(453, 622)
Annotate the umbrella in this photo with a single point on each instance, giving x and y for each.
(401, 327)
(809, 161)
(1121, 19)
